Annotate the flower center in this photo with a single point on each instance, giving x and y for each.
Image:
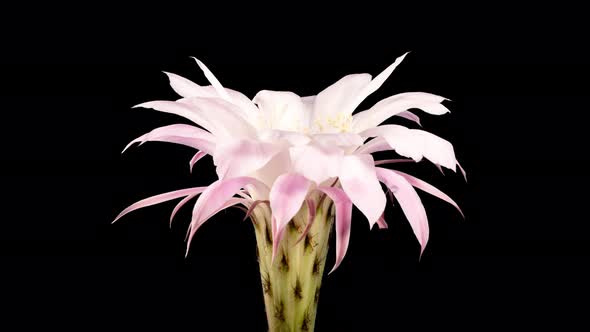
(340, 122)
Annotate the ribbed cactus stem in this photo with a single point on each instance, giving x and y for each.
(291, 284)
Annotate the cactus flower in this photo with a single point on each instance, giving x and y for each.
(297, 165)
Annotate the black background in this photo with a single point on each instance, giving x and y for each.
(517, 81)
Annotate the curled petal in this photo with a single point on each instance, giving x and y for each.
(343, 206)
(410, 116)
(286, 196)
(195, 158)
(410, 203)
(159, 199)
(396, 105)
(416, 144)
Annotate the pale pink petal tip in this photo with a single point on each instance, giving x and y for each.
(462, 171)
(159, 199)
(381, 222)
(286, 197)
(343, 220)
(311, 208)
(252, 207)
(194, 159)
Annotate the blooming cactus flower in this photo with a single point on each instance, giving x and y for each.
(291, 161)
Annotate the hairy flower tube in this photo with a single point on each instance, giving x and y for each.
(297, 165)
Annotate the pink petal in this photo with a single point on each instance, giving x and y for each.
(253, 206)
(381, 222)
(360, 183)
(439, 169)
(229, 203)
(159, 199)
(181, 204)
(410, 116)
(462, 171)
(216, 195)
(343, 221)
(409, 201)
(311, 208)
(286, 196)
(416, 144)
(429, 189)
(195, 158)
(179, 134)
(393, 161)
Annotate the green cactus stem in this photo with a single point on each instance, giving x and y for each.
(291, 285)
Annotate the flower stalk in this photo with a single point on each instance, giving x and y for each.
(291, 283)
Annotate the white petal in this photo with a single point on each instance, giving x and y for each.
(395, 105)
(360, 183)
(227, 122)
(278, 165)
(281, 110)
(415, 144)
(182, 110)
(242, 157)
(377, 144)
(213, 80)
(289, 137)
(187, 89)
(374, 85)
(316, 162)
(339, 96)
(343, 140)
